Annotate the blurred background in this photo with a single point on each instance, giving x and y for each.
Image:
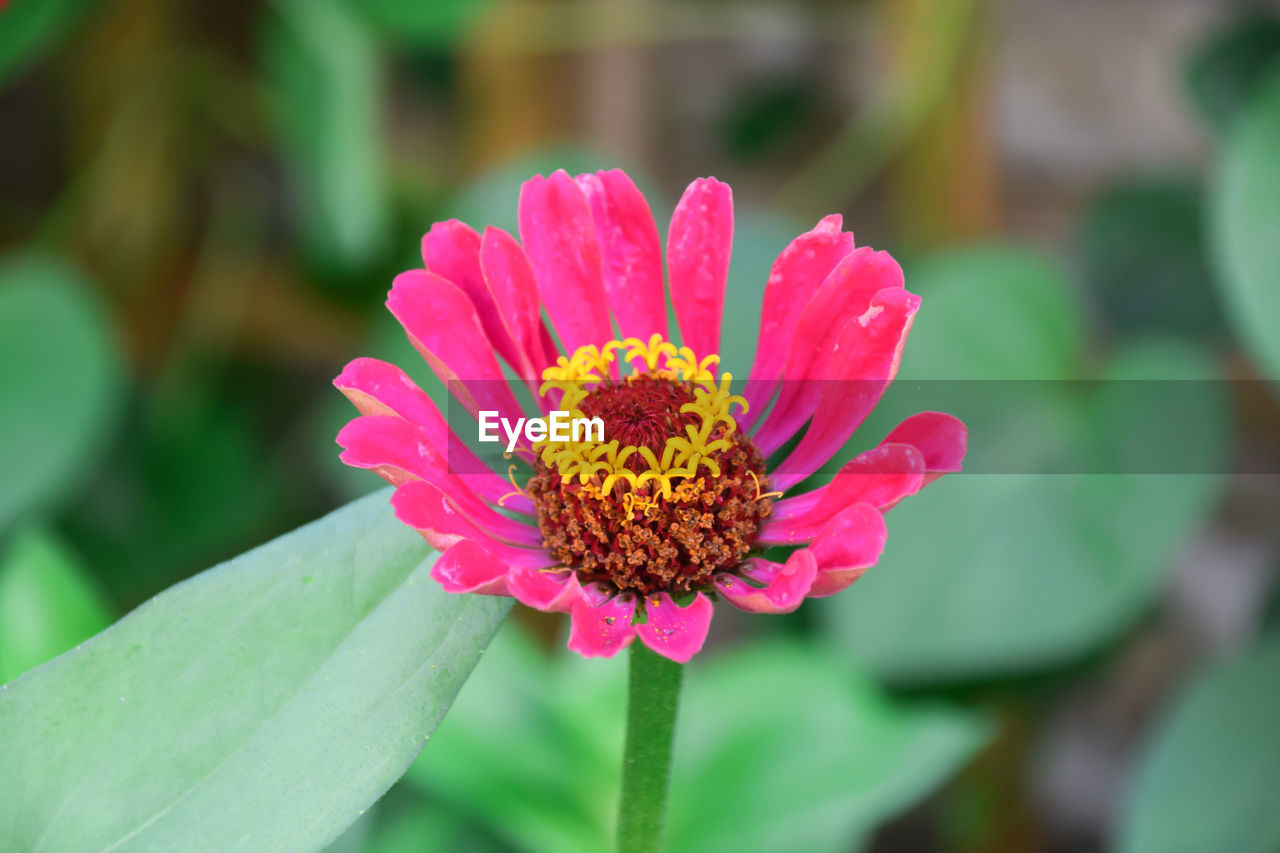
(201, 210)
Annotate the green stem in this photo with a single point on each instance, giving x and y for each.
(653, 694)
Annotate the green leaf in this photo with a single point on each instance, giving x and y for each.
(1244, 221)
(778, 747)
(262, 704)
(1207, 778)
(325, 87)
(1142, 247)
(60, 374)
(1224, 71)
(1012, 567)
(48, 602)
(28, 28)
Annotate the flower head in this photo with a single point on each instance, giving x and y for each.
(636, 531)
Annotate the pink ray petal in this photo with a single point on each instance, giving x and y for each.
(941, 438)
(673, 631)
(879, 477)
(785, 584)
(428, 510)
(451, 249)
(600, 625)
(399, 451)
(560, 240)
(443, 326)
(699, 242)
(866, 360)
(553, 590)
(847, 292)
(466, 567)
(515, 291)
(378, 388)
(631, 251)
(846, 547)
(798, 272)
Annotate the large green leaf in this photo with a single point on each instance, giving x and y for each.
(258, 706)
(48, 602)
(778, 747)
(1078, 495)
(1209, 776)
(30, 27)
(1245, 218)
(325, 88)
(60, 374)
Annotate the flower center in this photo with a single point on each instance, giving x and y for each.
(673, 495)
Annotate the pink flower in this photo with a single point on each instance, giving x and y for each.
(637, 534)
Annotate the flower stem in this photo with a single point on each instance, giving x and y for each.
(653, 694)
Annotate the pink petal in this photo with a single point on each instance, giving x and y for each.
(866, 360)
(428, 510)
(676, 632)
(601, 626)
(379, 388)
(451, 249)
(443, 325)
(515, 291)
(940, 437)
(847, 292)
(560, 241)
(698, 246)
(846, 547)
(466, 567)
(879, 477)
(548, 589)
(399, 451)
(631, 252)
(796, 275)
(785, 584)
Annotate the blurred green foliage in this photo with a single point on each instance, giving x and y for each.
(49, 602)
(1244, 213)
(61, 379)
(325, 95)
(1017, 569)
(173, 407)
(1224, 72)
(1143, 253)
(31, 27)
(438, 24)
(780, 746)
(1211, 769)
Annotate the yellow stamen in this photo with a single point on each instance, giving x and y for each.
(759, 497)
(511, 475)
(603, 465)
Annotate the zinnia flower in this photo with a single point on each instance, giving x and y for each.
(638, 533)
